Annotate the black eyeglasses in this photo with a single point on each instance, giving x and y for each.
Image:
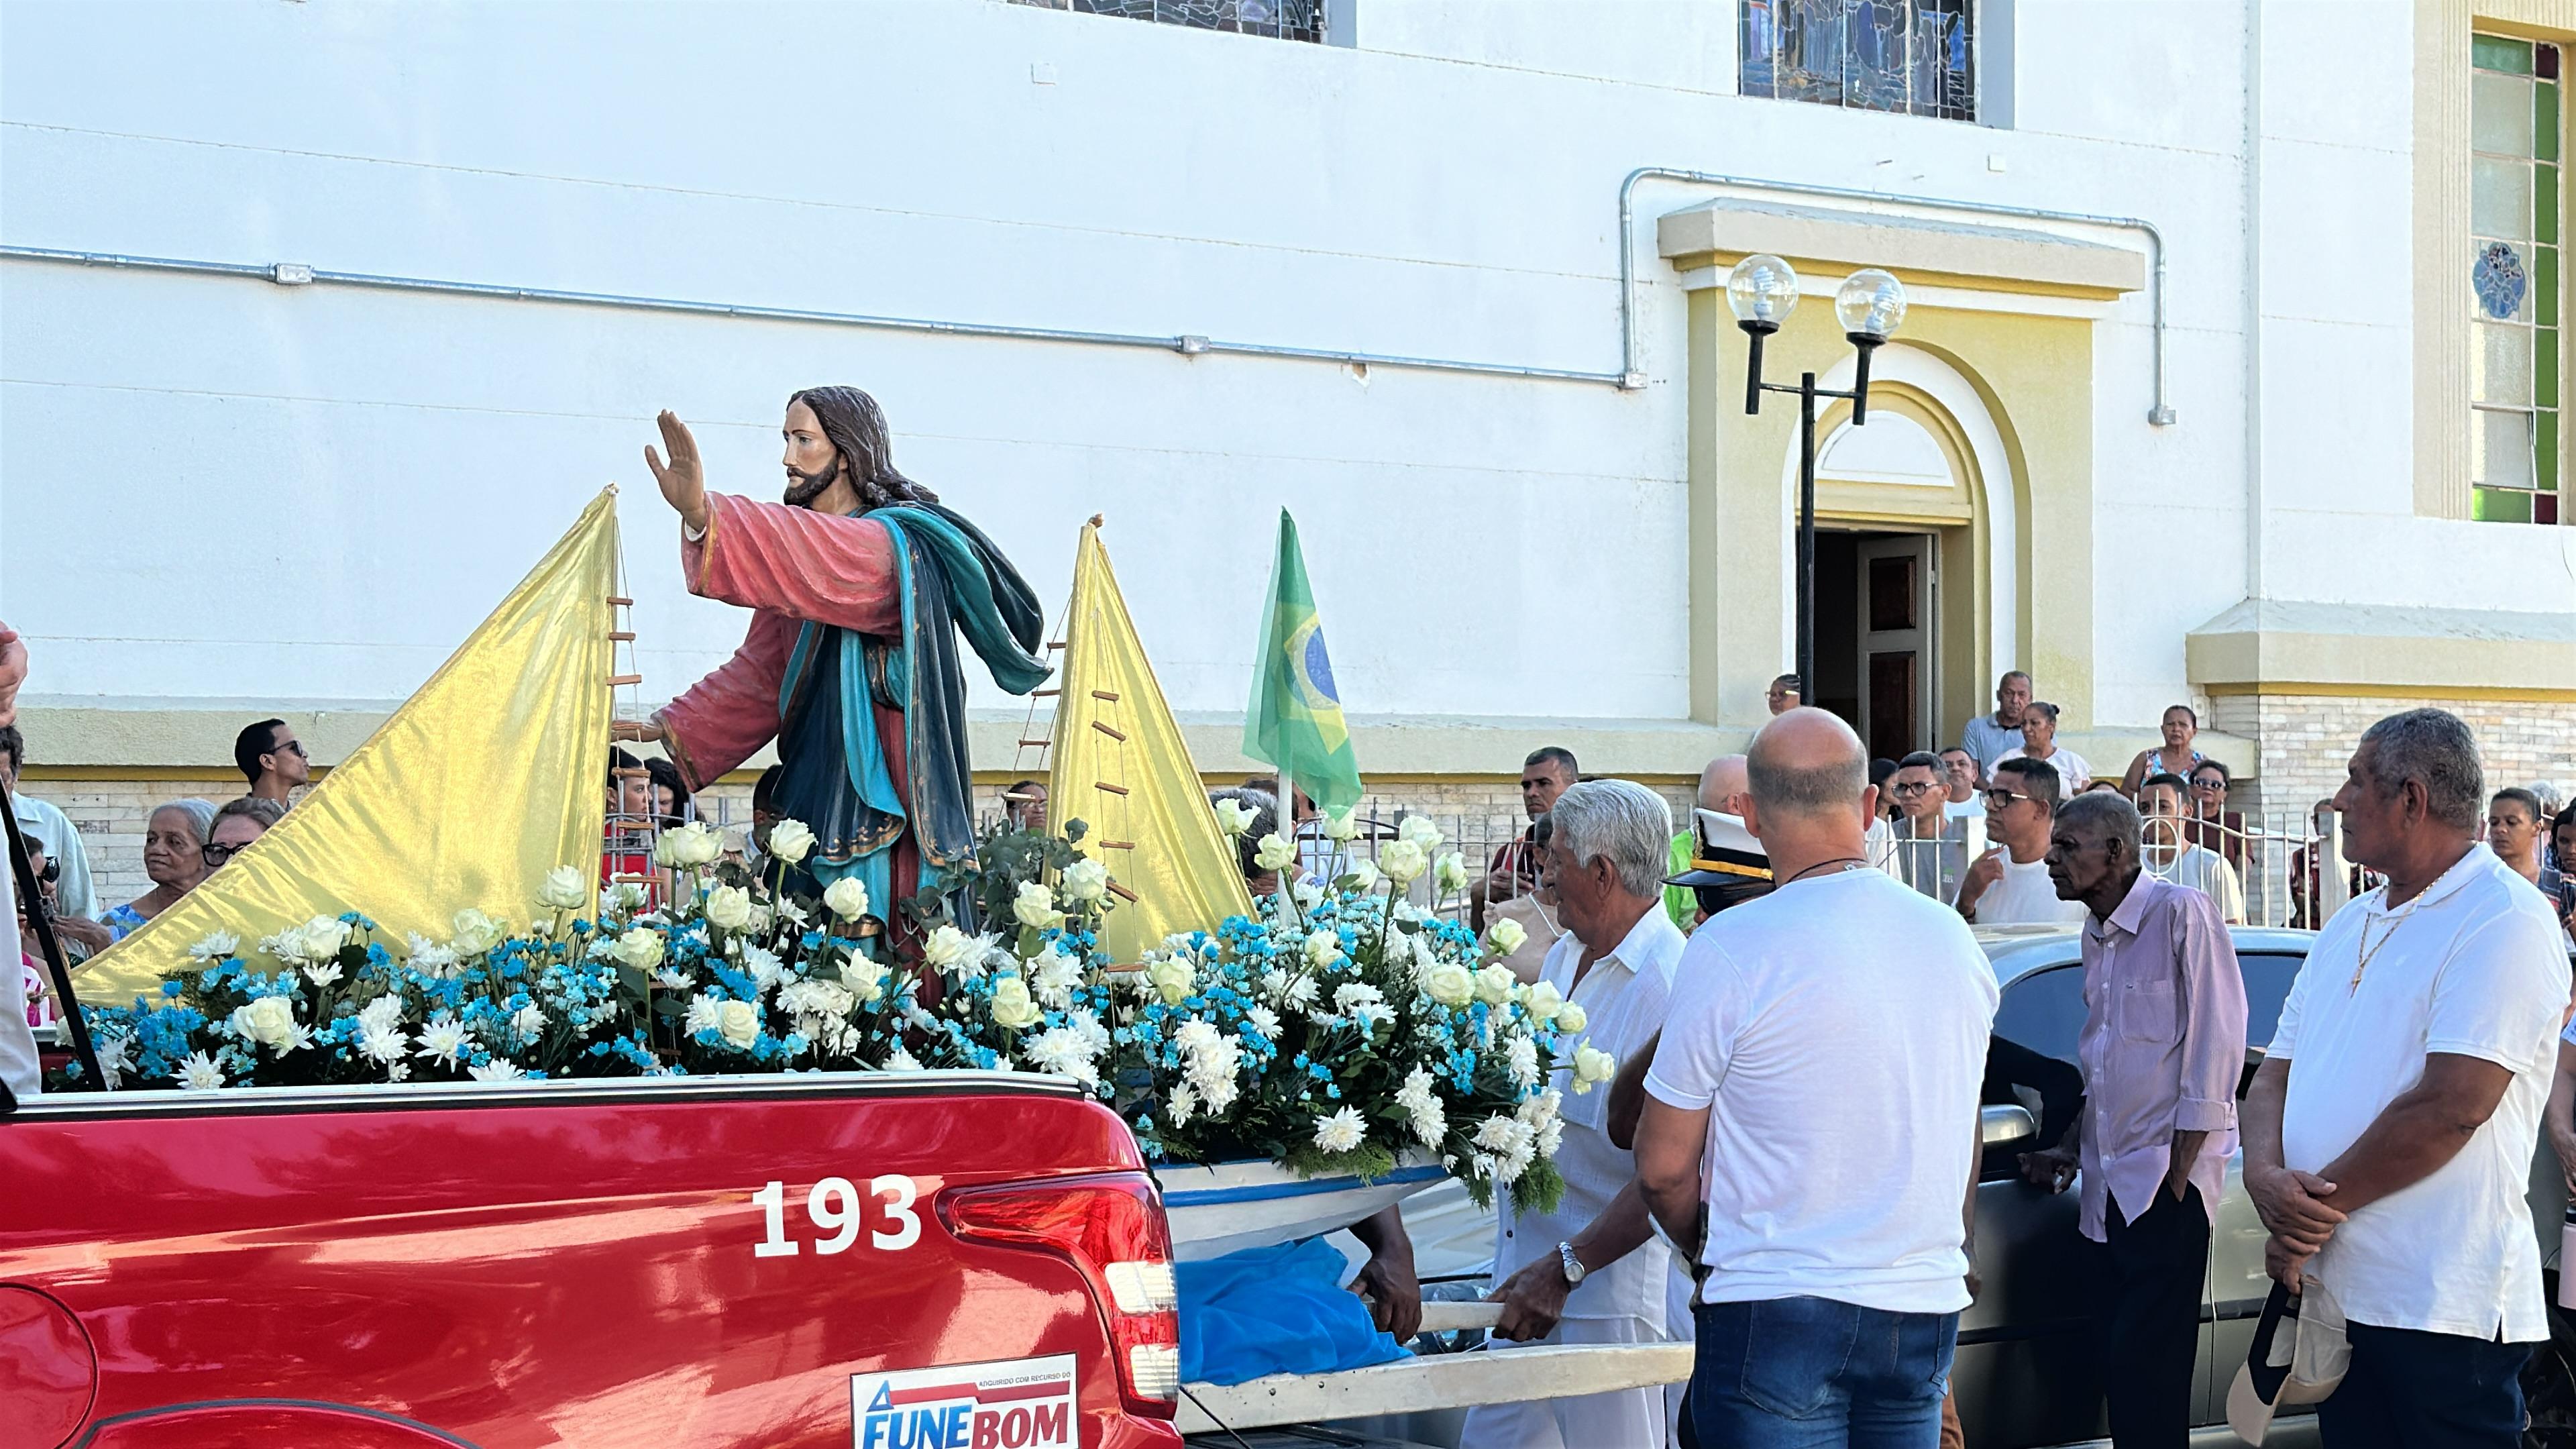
(296, 745)
(1996, 799)
(218, 854)
(1902, 789)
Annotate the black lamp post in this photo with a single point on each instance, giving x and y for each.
(1762, 291)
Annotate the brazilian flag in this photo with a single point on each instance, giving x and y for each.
(1295, 719)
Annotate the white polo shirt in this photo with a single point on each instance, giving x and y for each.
(1837, 1029)
(1623, 998)
(2472, 967)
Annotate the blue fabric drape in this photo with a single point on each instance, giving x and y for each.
(1279, 1310)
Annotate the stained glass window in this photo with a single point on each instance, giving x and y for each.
(1918, 57)
(2514, 251)
(1285, 19)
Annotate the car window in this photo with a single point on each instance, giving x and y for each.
(2268, 975)
(2044, 1011)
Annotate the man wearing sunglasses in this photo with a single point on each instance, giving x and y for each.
(272, 759)
(2009, 885)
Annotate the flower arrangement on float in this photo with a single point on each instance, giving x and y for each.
(1340, 1031)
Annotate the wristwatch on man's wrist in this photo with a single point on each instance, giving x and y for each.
(1573, 1265)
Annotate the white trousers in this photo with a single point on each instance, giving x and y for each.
(1626, 1419)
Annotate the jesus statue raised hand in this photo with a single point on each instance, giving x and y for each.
(859, 583)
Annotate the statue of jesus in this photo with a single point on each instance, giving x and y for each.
(859, 583)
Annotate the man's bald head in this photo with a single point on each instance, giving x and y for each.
(1721, 782)
(1807, 764)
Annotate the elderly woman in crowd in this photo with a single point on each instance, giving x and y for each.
(236, 825)
(174, 856)
(2174, 757)
(2039, 742)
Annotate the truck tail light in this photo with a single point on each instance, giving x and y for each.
(1111, 1226)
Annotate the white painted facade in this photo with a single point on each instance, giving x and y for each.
(218, 490)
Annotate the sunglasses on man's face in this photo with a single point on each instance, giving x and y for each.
(2209, 787)
(297, 746)
(218, 854)
(1998, 799)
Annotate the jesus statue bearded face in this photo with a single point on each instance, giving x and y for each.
(813, 465)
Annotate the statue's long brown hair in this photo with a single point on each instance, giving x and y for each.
(856, 427)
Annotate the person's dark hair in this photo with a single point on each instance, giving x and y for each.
(2107, 813)
(1542, 830)
(2044, 707)
(620, 760)
(2180, 786)
(1265, 821)
(2039, 780)
(764, 791)
(2564, 818)
(266, 811)
(254, 741)
(1880, 767)
(1789, 684)
(667, 775)
(2225, 775)
(2433, 748)
(14, 745)
(2529, 802)
(2010, 675)
(1557, 757)
(1924, 759)
(2187, 713)
(856, 427)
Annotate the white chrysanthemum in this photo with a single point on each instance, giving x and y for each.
(1342, 1131)
(499, 1069)
(115, 1057)
(215, 946)
(1422, 1108)
(1091, 1029)
(1353, 997)
(383, 1012)
(382, 1043)
(1523, 1056)
(527, 1021)
(1502, 1134)
(1053, 977)
(200, 1073)
(429, 957)
(1063, 1051)
(1274, 984)
(671, 978)
(704, 1012)
(1182, 1103)
(1298, 994)
(442, 1041)
(763, 965)
(1194, 1034)
(323, 975)
(901, 1061)
(1263, 1020)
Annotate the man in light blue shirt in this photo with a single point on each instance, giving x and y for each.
(1990, 737)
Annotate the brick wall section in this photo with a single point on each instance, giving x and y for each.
(2304, 740)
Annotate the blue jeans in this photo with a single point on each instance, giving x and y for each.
(1809, 1373)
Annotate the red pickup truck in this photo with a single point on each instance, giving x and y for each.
(915, 1261)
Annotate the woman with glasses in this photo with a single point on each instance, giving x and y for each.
(236, 825)
(174, 856)
(2207, 822)
(2174, 757)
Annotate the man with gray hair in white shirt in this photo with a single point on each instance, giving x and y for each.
(1587, 1272)
(2389, 1132)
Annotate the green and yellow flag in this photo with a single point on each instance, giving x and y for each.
(1295, 719)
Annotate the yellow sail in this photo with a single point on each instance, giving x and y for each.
(487, 777)
(1120, 767)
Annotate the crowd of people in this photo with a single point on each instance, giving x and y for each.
(1784, 1172)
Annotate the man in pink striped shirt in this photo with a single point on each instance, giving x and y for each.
(2162, 1050)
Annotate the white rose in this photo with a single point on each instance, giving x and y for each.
(476, 933)
(864, 978)
(1544, 1001)
(1449, 872)
(1592, 1065)
(1323, 948)
(790, 841)
(565, 889)
(1034, 906)
(1366, 877)
(846, 898)
(729, 907)
(1420, 833)
(1011, 1006)
(1274, 853)
(1506, 936)
(1173, 979)
(1342, 825)
(640, 948)
(1402, 860)
(1570, 1019)
(1086, 881)
(269, 1021)
(695, 844)
(738, 1022)
(949, 948)
(1234, 817)
(1494, 985)
(1451, 984)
